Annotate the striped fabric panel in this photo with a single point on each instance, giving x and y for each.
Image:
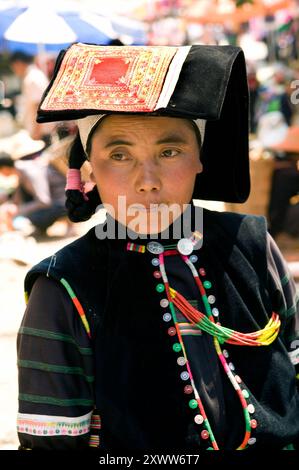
(45, 425)
(30, 398)
(43, 366)
(187, 329)
(55, 336)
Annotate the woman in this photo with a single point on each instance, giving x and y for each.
(160, 329)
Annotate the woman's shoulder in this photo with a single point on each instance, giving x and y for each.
(239, 225)
(70, 263)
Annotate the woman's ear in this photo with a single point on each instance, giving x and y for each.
(199, 165)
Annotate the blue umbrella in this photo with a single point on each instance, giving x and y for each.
(27, 28)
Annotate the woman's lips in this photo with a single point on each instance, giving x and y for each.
(146, 208)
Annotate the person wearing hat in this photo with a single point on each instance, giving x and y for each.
(168, 326)
(39, 199)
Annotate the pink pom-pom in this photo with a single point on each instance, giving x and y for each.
(74, 182)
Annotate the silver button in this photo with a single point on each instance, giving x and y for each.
(184, 375)
(231, 366)
(155, 248)
(251, 441)
(181, 361)
(164, 303)
(225, 353)
(185, 246)
(155, 262)
(215, 312)
(193, 258)
(250, 408)
(198, 419)
(167, 316)
(211, 299)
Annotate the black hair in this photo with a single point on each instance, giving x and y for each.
(20, 56)
(116, 42)
(6, 160)
(79, 209)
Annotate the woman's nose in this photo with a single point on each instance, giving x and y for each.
(147, 178)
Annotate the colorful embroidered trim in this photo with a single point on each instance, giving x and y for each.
(53, 425)
(95, 426)
(262, 337)
(135, 247)
(77, 305)
(128, 79)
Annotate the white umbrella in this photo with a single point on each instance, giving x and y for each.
(40, 26)
(52, 25)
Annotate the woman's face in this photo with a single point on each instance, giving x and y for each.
(151, 163)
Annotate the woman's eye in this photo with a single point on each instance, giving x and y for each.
(118, 156)
(170, 153)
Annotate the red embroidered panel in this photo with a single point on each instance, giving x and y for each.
(128, 78)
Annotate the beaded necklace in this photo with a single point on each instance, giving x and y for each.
(221, 334)
(206, 323)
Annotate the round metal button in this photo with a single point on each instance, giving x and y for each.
(198, 419)
(155, 262)
(164, 303)
(253, 423)
(215, 312)
(185, 246)
(184, 375)
(193, 258)
(231, 366)
(188, 389)
(250, 408)
(167, 316)
(211, 299)
(181, 361)
(202, 272)
(238, 379)
(251, 441)
(157, 274)
(177, 347)
(245, 393)
(160, 288)
(225, 353)
(155, 248)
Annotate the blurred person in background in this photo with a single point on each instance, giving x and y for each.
(283, 211)
(39, 198)
(34, 83)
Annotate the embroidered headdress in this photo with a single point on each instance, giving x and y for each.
(206, 84)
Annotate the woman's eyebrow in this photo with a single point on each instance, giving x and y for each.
(172, 139)
(168, 139)
(117, 141)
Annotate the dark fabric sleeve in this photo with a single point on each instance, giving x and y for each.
(55, 366)
(285, 300)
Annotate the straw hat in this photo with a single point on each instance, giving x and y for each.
(290, 143)
(20, 145)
